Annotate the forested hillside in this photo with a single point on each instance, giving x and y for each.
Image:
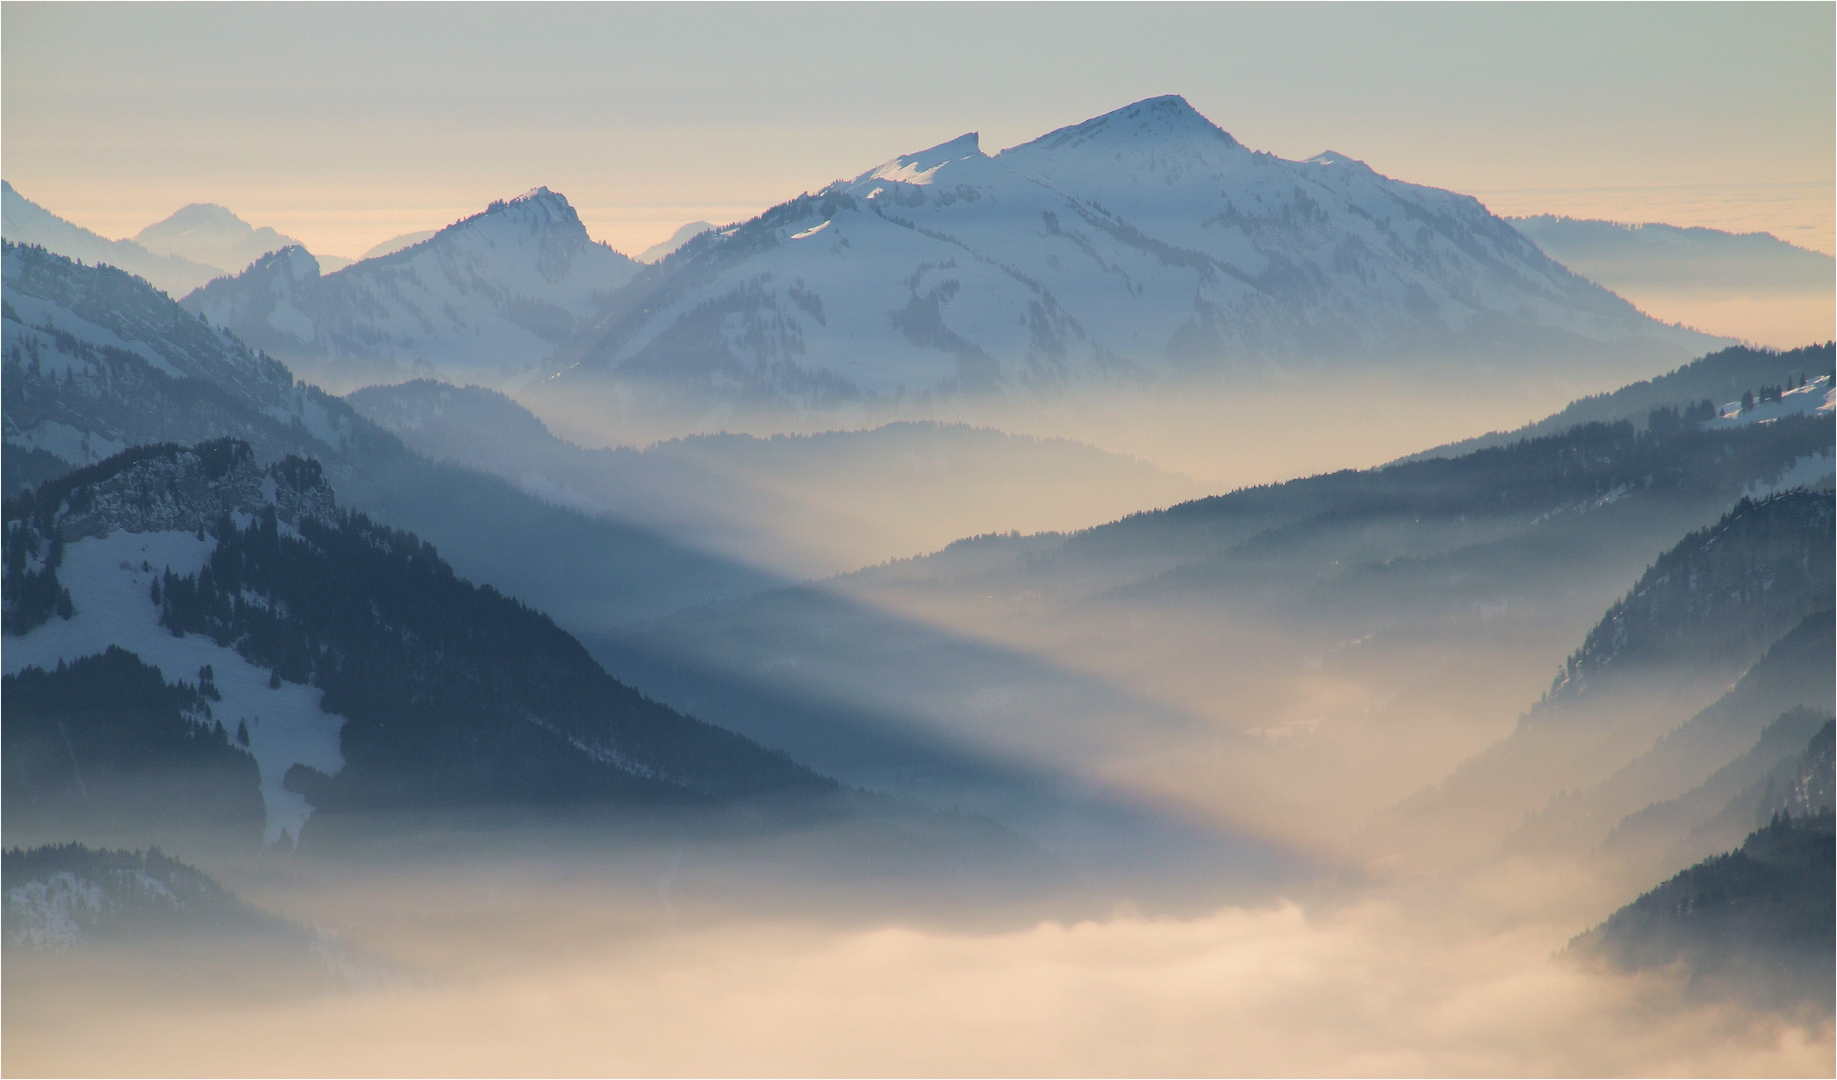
(451, 694)
(96, 360)
(1716, 380)
(107, 738)
(1755, 922)
(1423, 603)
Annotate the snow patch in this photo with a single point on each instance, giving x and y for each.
(52, 913)
(1817, 396)
(1808, 471)
(112, 595)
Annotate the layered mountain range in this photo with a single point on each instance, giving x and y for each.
(800, 505)
(194, 245)
(1142, 244)
(359, 672)
(488, 298)
(97, 360)
(1325, 621)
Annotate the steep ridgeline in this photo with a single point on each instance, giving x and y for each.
(1143, 244)
(1693, 770)
(1703, 614)
(361, 673)
(1721, 596)
(23, 221)
(96, 360)
(489, 298)
(1669, 835)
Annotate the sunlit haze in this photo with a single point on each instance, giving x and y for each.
(897, 539)
(345, 126)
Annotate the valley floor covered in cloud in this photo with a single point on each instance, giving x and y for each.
(1367, 989)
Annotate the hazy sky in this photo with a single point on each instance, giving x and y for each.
(346, 124)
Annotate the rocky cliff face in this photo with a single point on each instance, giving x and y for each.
(187, 489)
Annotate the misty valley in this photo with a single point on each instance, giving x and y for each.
(1128, 604)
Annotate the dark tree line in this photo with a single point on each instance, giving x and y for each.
(106, 737)
(454, 693)
(1746, 579)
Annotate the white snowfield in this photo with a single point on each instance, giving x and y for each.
(110, 581)
(490, 297)
(1816, 396)
(1141, 243)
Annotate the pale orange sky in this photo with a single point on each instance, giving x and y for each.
(344, 125)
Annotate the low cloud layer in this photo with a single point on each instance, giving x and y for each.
(1365, 991)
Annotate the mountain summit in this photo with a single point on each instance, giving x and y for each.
(211, 234)
(486, 298)
(1143, 244)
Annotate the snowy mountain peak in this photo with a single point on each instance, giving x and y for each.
(1146, 241)
(537, 207)
(211, 234)
(920, 167)
(199, 217)
(489, 297)
(1335, 158)
(290, 263)
(1154, 120)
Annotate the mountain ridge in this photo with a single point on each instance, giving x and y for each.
(950, 237)
(490, 296)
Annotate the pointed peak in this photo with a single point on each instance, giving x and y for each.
(294, 261)
(1335, 158)
(538, 204)
(209, 215)
(540, 193)
(1155, 118)
(914, 168)
(1164, 103)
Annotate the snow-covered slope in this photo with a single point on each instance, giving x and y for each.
(1814, 396)
(213, 235)
(397, 243)
(95, 361)
(123, 534)
(447, 694)
(489, 298)
(23, 221)
(1141, 244)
